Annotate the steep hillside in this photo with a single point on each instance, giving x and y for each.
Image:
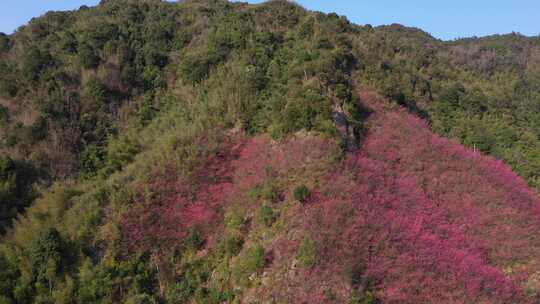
(482, 91)
(462, 219)
(215, 152)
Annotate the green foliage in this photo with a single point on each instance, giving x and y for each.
(301, 193)
(87, 213)
(367, 298)
(5, 44)
(152, 78)
(147, 110)
(16, 192)
(194, 240)
(91, 160)
(268, 191)
(4, 116)
(192, 283)
(254, 259)
(99, 282)
(266, 215)
(94, 94)
(250, 261)
(8, 82)
(35, 61)
(231, 246)
(46, 253)
(120, 152)
(307, 111)
(233, 242)
(39, 129)
(88, 56)
(234, 220)
(229, 33)
(307, 252)
(9, 273)
(141, 299)
(195, 68)
(94, 284)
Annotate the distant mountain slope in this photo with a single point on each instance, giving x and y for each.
(482, 91)
(205, 151)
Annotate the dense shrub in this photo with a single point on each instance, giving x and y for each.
(88, 56)
(4, 116)
(301, 193)
(191, 283)
(35, 62)
(266, 215)
(9, 273)
(120, 152)
(8, 83)
(16, 189)
(194, 239)
(195, 68)
(47, 253)
(4, 43)
(268, 191)
(250, 261)
(91, 160)
(307, 252)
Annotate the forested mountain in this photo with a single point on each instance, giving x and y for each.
(203, 151)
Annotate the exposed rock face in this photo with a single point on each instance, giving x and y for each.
(346, 131)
